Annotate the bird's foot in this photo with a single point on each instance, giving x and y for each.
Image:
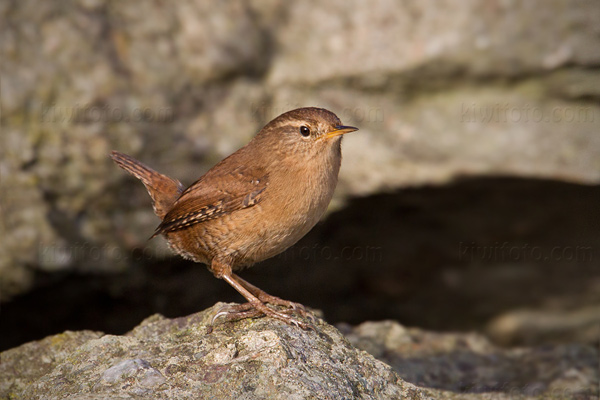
(277, 301)
(250, 310)
(256, 299)
(236, 313)
(265, 298)
(298, 309)
(290, 306)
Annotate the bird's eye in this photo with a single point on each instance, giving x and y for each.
(304, 131)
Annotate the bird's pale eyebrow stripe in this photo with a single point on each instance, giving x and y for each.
(297, 124)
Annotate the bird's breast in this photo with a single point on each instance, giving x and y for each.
(295, 200)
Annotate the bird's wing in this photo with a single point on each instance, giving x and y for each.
(216, 194)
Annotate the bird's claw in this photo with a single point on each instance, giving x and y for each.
(247, 310)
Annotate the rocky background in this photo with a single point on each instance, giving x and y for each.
(468, 200)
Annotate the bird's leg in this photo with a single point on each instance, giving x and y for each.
(264, 296)
(267, 298)
(223, 271)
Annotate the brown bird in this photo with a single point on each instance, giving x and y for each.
(252, 205)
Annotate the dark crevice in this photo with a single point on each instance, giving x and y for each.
(440, 258)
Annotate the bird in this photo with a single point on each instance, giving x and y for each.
(252, 205)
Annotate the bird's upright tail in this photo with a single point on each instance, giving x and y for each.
(163, 190)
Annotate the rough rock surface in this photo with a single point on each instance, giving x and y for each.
(469, 363)
(184, 358)
(439, 89)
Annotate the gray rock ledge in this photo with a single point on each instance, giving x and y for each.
(182, 359)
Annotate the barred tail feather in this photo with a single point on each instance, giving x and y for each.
(163, 190)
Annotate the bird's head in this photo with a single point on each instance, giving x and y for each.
(310, 131)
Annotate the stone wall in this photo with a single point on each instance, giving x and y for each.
(439, 89)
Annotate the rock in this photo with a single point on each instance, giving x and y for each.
(374, 44)
(262, 358)
(535, 326)
(182, 358)
(438, 90)
(469, 363)
(31, 361)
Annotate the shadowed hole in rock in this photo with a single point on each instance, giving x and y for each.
(443, 258)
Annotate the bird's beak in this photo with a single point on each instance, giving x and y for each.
(339, 130)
